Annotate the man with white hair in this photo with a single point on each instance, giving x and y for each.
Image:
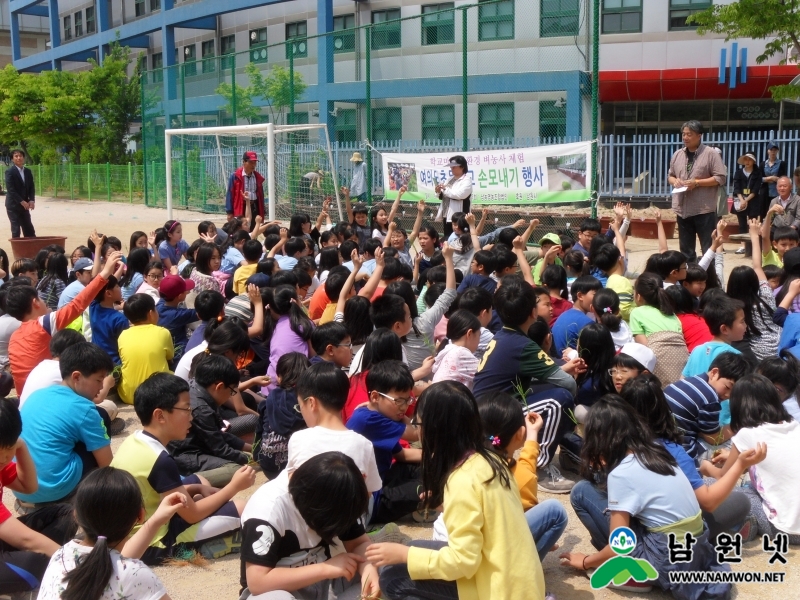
(785, 207)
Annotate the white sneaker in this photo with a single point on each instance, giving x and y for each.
(552, 481)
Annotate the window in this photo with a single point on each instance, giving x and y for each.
(387, 34)
(90, 26)
(296, 37)
(387, 123)
(560, 17)
(552, 119)
(346, 40)
(142, 63)
(258, 45)
(190, 65)
(139, 7)
(680, 9)
(227, 45)
(158, 62)
(78, 18)
(622, 16)
(209, 62)
(438, 28)
(495, 121)
(155, 5)
(67, 27)
(438, 122)
(496, 21)
(347, 125)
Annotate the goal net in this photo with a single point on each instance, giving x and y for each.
(296, 161)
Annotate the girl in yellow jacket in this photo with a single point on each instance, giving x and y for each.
(485, 555)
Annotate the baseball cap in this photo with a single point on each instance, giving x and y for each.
(259, 280)
(250, 156)
(550, 237)
(641, 354)
(173, 286)
(773, 144)
(239, 307)
(82, 264)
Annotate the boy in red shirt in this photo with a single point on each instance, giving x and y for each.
(30, 344)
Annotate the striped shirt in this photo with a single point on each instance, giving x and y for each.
(696, 408)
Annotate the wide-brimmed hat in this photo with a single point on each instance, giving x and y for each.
(356, 157)
(750, 155)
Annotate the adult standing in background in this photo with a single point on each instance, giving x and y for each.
(245, 197)
(772, 169)
(455, 194)
(358, 181)
(20, 196)
(700, 170)
(746, 197)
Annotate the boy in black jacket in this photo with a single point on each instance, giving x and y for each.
(208, 450)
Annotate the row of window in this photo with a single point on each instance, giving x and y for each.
(77, 20)
(625, 16)
(139, 7)
(495, 121)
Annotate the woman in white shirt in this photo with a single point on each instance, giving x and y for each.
(455, 194)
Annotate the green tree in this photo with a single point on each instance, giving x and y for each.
(245, 109)
(275, 88)
(776, 20)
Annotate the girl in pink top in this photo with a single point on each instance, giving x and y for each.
(456, 360)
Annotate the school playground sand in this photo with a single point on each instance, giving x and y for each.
(220, 580)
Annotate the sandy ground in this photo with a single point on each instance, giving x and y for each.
(220, 579)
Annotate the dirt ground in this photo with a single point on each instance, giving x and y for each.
(220, 579)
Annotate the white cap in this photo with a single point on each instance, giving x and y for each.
(641, 354)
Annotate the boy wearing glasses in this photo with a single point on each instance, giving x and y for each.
(383, 421)
(208, 449)
(144, 348)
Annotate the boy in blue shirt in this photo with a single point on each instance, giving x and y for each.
(482, 266)
(108, 322)
(568, 325)
(65, 431)
(725, 319)
(173, 290)
(383, 422)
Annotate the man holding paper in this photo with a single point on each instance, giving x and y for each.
(695, 172)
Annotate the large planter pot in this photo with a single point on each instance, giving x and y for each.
(28, 247)
(730, 229)
(645, 228)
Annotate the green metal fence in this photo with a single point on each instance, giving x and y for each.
(469, 77)
(112, 183)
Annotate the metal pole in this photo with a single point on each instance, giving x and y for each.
(464, 75)
(780, 120)
(168, 161)
(368, 100)
(142, 80)
(183, 174)
(89, 179)
(233, 88)
(130, 183)
(271, 169)
(595, 101)
(108, 180)
(71, 193)
(291, 82)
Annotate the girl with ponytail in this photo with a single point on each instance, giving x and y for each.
(606, 307)
(105, 565)
(292, 328)
(654, 310)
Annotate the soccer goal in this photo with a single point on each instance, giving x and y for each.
(296, 161)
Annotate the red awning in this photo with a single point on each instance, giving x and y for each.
(691, 84)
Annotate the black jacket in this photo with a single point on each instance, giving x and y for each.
(205, 436)
(16, 190)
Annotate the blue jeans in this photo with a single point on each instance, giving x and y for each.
(547, 521)
(397, 584)
(591, 506)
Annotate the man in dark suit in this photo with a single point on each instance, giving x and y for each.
(20, 196)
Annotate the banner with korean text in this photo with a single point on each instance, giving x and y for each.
(546, 174)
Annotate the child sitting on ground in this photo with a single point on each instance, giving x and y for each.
(725, 319)
(208, 449)
(606, 305)
(695, 329)
(105, 564)
(384, 423)
(289, 526)
(210, 306)
(108, 322)
(252, 251)
(455, 359)
(554, 278)
(163, 406)
(144, 348)
(171, 316)
(25, 552)
(331, 342)
(278, 417)
(568, 325)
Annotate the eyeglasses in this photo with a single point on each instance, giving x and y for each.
(347, 345)
(188, 410)
(155, 276)
(415, 422)
(614, 372)
(398, 401)
(233, 390)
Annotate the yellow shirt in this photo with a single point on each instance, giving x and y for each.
(524, 471)
(328, 314)
(487, 554)
(772, 258)
(624, 288)
(241, 276)
(143, 350)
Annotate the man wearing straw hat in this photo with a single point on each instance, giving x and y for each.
(695, 171)
(358, 182)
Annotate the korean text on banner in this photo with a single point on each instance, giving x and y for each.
(546, 174)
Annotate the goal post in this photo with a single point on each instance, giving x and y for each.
(217, 152)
